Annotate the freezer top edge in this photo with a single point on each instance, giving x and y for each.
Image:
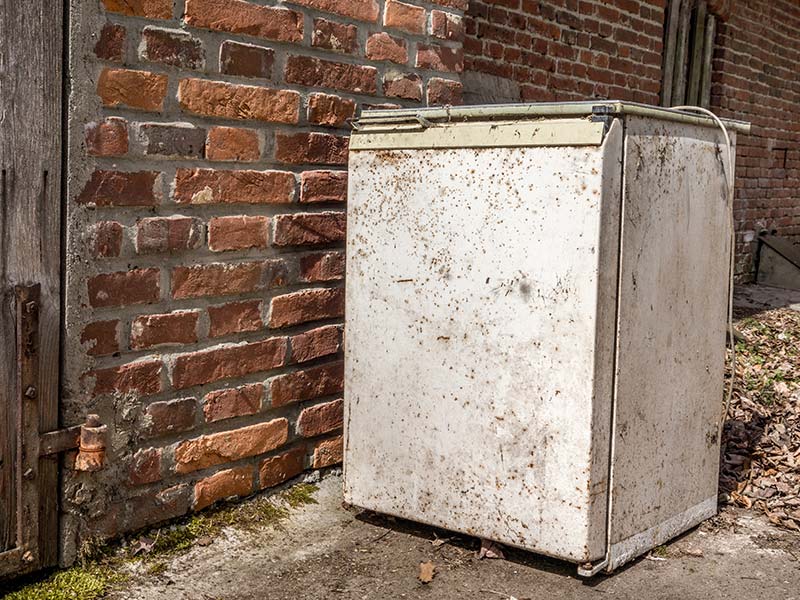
(541, 110)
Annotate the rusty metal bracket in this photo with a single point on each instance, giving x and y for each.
(89, 439)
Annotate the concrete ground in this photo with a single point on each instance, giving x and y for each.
(324, 551)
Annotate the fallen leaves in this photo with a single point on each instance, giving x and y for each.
(490, 549)
(427, 571)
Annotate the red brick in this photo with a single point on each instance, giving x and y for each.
(116, 188)
(168, 234)
(306, 305)
(150, 9)
(228, 446)
(106, 239)
(277, 469)
(237, 233)
(245, 60)
(218, 279)
(171, 416)
(324, 266)
(456, 4)
(310, 71)
(235, 317)
(313, 148)
(178, 327)
(226, 362)
(302, 229)
(235, 402)
(400, 85)
(338, 37)
(132, 89)
(328, 453)
(233, 143)
(321, 419)
(443, 91)
(440, 58)
(361, 10)
(145, 466)
(446, 26)
(207, 186)
(232, 101)
(382, 46)
(143, 378)
(237, 16)
(307, 385)
(171, 47)
(221, 485)
(107, 138)
(399, 15)
(323, 186)
(333, 111)
(172, 140)
(316, 343)
(138, 286)
(111, 44)
(101, 337)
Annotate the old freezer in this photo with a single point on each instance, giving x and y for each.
(535, 318)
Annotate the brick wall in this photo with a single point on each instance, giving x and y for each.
(756, 79)
(205, 232)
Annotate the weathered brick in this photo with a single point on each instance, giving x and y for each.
(328, 453)
(306, 305)
(234, 317)
(399, 15)
(150, 9)
(178, 327)
(168, 234)
(170, 416)
(145, 466)
(101, 337)
(321, 419)
(111, 44)
(218, 279)
(235, 402)
(307, 385)
(323, 266)
(138, 286)
(233, 144)
(228, 446)
(226, 362)
(446, 26)
(277, 469)
(456, 4)
(443, 91)
(403, 85)
(323, 186)
(245, 60)
(237, 16)
(333, 111)
(116, 188)
(302, 229)
(133, 89)
(143, 378)
(141, 511)
(208, 186)
(221, 485)
(361, 10)
(237, 233)
(106, 239)
(338, 37)
(107, 138)
(232, 101)
(440, 58)
(179, 140)
(171, 47)
(313, 148)
(382, 46)
(316, 343)
(310, 71)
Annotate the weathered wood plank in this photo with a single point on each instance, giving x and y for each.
(708, 61)
(670, 48)
(681, 52)
(696, 59)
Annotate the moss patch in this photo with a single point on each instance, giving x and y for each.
(76, 583)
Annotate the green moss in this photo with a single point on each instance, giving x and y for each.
(660, 551)
(77, 583)
(300, 494)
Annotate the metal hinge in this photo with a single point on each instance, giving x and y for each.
(89, 439)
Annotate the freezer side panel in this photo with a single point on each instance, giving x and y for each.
(671, 332)
(471, 316)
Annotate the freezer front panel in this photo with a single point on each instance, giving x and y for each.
(480, 333)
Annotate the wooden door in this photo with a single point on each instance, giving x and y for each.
(31, 52)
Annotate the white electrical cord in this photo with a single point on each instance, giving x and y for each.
(732, 264)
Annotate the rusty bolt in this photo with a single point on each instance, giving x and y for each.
(28, 474)
(27, 557)
(30, 392)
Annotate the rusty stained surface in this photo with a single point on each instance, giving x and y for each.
(480, 312)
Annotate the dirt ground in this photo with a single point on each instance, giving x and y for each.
(326, 551)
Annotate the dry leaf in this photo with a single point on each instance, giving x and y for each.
(426, 571)
(490, 549)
